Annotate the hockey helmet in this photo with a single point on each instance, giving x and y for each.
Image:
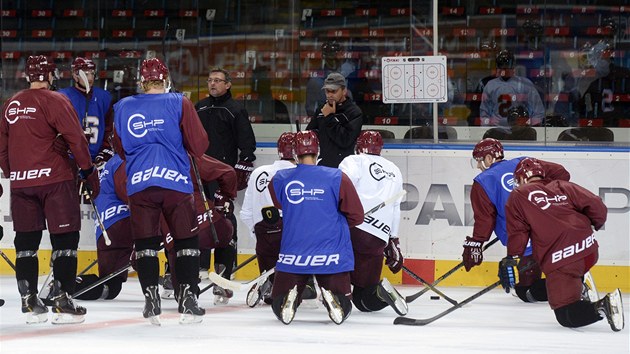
(602, 50)
(330, 49)
(153, 70)
(488, 146)
(369, 142)
(517, 115)
(505, 59)
(84, 64)
(285, 145)
(305, 143)
(38, 67)
(527, 168)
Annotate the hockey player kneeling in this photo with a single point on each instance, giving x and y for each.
(319, 204)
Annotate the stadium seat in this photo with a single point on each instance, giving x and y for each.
(587, 134)
(385, 134)
(426, 132)
(516, 133)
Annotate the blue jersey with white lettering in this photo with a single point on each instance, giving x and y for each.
(149, 127)
(498, 183)
(107, 203)
(315, 235)
(100, 101)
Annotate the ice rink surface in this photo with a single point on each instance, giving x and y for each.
(494, 323)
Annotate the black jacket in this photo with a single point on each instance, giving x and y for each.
(229, 129)
(337, 132)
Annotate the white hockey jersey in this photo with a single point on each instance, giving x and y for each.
(257, 194)
(376, 180)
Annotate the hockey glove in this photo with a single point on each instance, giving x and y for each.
(243, 170)
(102, 157)
(223, 203)
(270, 214)
(393, 257)
(473, 254)
(508, 273)
(61, 146)
(89, 179)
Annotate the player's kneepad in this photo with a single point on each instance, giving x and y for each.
(357, 299)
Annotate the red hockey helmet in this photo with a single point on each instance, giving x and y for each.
(153, 70)
(305, 142)
(369, 142)
(488, 146)
(527, 168)
(84, 64)
(38, 67)
(285, 146)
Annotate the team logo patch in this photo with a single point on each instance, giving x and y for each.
(378, 173)
(262, 181)
(296, 192)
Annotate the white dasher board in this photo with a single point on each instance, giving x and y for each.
(414, 79)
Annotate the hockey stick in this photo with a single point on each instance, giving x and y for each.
(385, 203)
(243, 264)
(236, 286)
(411, 298)
(429, 286)
(88, 195)
(208, 213)
(102, 280)
(425, 321)
(8, 260)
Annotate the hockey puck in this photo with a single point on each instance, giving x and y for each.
(435, 297)
(1, 302)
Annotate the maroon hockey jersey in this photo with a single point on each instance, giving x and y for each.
(558, 217)
(32, 118)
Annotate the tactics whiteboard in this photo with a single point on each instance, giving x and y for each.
(414, 79)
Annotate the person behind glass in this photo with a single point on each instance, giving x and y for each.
(94, 108)
(603, 98)
(331, 62)
(232, 141)
(337, 122)
(376, 180)
(154, 132)
(43, 188)
(564, 220)
(263, 220)
(488, 195)
(319, 205)
(506, 91)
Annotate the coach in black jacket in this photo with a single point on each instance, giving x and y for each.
(337, 123)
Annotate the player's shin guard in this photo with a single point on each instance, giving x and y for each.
(26, 260)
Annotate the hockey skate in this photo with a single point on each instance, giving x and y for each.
(336, 310)
(589, 291)
(203, 274)
(167, 287)
(32, 306)
(65, 311)
(285, 308)
(152, 306)
(259, 291)
(222, 296)
(386, 292)
(188, 306)
(611, 307)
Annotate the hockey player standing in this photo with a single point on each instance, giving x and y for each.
(43, 188)
(154, 132)
(376, 179)
(318, 205)
(490, 191)
(558, 217)
(263, 219)
(94, 108)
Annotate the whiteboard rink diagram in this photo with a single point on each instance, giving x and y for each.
(414, 79)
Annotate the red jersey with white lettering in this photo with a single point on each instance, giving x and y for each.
(559, 217)
(31, 120)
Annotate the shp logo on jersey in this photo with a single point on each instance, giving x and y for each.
(507, 181)
(378, 173)
(544, 201)
(262, 181)
(139, 126)
(296, 192)
(14, 112)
